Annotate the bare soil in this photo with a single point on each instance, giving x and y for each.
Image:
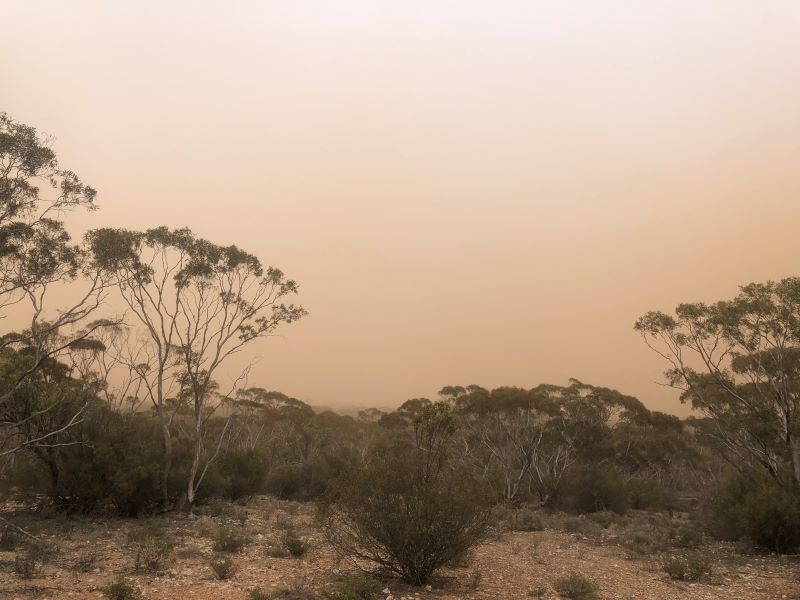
(514, 565)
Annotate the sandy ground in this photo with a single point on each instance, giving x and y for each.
(515, 565)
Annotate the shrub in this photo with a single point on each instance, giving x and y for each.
(229, 539)
(153, 550)
(221, 508)
(591, 489)
(687, 537)
(235, 475)
(223, 567)
(27, 565)
(122, 589)
(85, 562)
(408, 522)
(604, 518)
(693, 568)
(294, 544)
(257, 593)
(576, 587)
(760, 509)
(474, 580)
(354, 588)
(525, 519)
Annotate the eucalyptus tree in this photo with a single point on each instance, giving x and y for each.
(199, 303)
(738, 363)
(38, 261)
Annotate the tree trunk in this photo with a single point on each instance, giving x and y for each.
(166, 466)
(198, 447)
(794, 448)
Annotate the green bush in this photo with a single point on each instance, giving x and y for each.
(229, 539)
(396, 514)
(122, 589)
(525, 519)
(759, 509)
(153, 550)
(693, 568)
(223, 567)
(354, 588)
(257, 593)
(235, 475)
(576, 587)
(294, 544)
(591, 489)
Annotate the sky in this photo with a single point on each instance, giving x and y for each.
(467, 192)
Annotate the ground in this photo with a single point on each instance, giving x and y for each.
(86, 554)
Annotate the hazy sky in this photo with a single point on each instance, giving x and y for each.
(467, 192)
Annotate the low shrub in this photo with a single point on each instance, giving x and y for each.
(122, 589)
(153, 550)
(27, 565)
(86, 562)
(257, 593)
(229, 539)
(693, 568)
(525, 519)
(223, 567)
(295, 545)
(354, 588)
(576, 587)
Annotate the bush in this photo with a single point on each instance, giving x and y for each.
(525, 519)
(257, 593)
(228, 539)
(409, 523)
(576, 587)
(122, 589)
(693, 568)
(591, 489)
(760, 509)
(354, 588)
(294, 544)
(85, 562)
(153, 550)
(235, 475)
(27, 565)
(223, 567)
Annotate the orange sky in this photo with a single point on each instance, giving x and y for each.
(467, 192)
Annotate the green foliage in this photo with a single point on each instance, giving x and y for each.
(693, 568)
(525, 519)
(229, 539)
(404, 515)
(223, 567)
(576, 587)
(122, 589)
(235, 475)
(257, 593)
(354, 588)
(760, 509)
(153, 550)
(591, 489)
(295, 545)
